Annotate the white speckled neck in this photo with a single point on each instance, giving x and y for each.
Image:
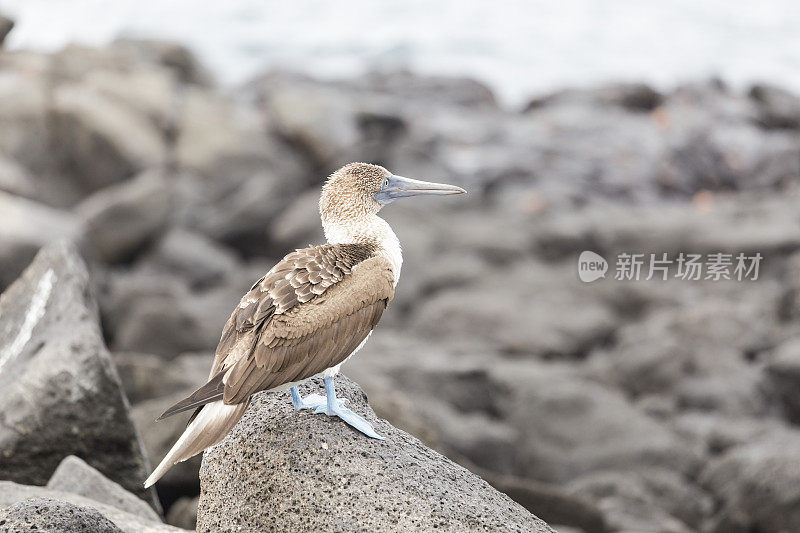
(368, 229)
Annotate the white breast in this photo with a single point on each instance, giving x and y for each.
(369, 229)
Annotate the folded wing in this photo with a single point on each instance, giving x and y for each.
(309, 313)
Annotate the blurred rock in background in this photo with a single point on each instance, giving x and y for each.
(650, 405)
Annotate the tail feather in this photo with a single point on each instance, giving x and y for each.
(210, 392)
(210, 426)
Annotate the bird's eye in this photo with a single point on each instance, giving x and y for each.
(386, 183)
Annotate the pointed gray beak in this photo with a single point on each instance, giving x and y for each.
(395, 187)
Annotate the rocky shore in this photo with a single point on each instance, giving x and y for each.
(667, 406)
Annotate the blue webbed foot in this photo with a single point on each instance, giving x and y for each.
(351, 418)
(335, 407)
(312, 401)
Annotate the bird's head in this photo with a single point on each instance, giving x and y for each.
(361, 189)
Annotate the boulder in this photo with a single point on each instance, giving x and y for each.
(782, 373)
(654, 500)
(757, 485)
(183, 513)
(176, 57)
(62, 395)
(27, 226)
(12, 494)
(196, 258)
(216, 141)
(245, 217)
(778, 107)
(24, 103)
(122, 219)
(45, 514)
(101, 141)
(290, 471)
(146, 376)
(160, 435)
(554, 504)
(515, 416)
(76, 476)
(550, 320)
(298, 225)
(6, 25)
(15, 179)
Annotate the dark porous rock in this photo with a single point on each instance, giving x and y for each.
(757, 484)
(778, 108)
(44, 514)
(122, 219)
(6, 25)
(183, 513)
(75, 476)
(61, 393)
(279, 470)
(26, 227)
(14, 494)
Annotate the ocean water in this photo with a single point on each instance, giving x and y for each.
(520, 48)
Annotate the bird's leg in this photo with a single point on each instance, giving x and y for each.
(335, 407)
(312, 401)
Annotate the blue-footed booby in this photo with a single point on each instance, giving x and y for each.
(308, 315)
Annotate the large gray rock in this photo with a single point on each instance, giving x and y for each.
(197, 259)
(183, 513)
(757, 485)
(156, 313)
(75, 476)
(655, 500)
(62, 395)
(6, 25)
(44, 514)
(101, 141)
(174, 56)
(516, 416)
(782, 373)
(12, 493)
(778, 108)
(217, 142)
(26, 227)
(286, 471)
(160, 435)
(146, 376)
(15, 179)
(242, 218)
(122, 219)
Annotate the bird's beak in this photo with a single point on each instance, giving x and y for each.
(399, 187)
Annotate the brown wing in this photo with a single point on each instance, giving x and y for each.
(280, 331)
(315, 335)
